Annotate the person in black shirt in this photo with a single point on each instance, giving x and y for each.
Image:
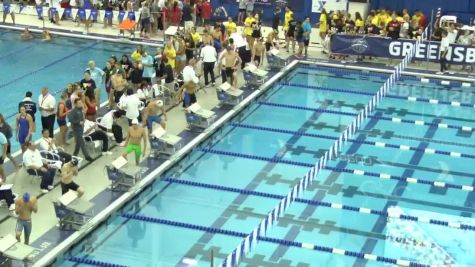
(135, 74)
(168, 75)
(276, 19)
(29, 105)
(299, 38)
(291, 34)
(189, 47)
(87, 82)
(125, 62)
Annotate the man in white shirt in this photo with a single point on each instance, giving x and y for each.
(444, 49)
(97, 75)
(131, 104)
(189, 73)
(35, 164)
(209, 57)
(91, 131)
(47, 143)
(108, 124)
(47, 105)
(452, 33)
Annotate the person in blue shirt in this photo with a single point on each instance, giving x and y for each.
(98, 75)
(307, 30)
(29, 105)
(148, 69)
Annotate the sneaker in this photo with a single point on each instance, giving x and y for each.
(90, 159)
(207, 86)
(12, 207)
(44, 191)
(107, 153)
(214, 84)
(50, 187)
(122, 144)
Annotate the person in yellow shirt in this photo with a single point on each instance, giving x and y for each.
(231, 26)
(359, 23)
(195, 36)
(137, 54)
(323, 25)
(170, 53)
(289, 14)
(248, 28)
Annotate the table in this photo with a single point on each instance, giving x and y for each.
(13, 249)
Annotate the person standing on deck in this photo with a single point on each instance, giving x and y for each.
(76, 118)
(24, 207)
(47, 108)
(7, 131)
(98, 75)
(134, 141)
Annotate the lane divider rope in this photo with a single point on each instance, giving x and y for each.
(91, 262)
(428, 151)
(283, 242)
(383, 118)
(331, 205)
(383, 176)
(406, 98)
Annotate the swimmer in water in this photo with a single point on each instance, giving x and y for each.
(26, 34)
(47, 36)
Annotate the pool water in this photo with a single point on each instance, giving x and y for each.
(31, 65)
(223, 186)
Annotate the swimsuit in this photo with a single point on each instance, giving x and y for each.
(189, 99)
(24, 128)
(134, 148)
(152, 119)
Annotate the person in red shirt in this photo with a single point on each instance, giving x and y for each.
(206, 11)
(393, 28)
(422, 20)
(176, 14)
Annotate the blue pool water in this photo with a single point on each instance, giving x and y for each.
(31, 65)
(212, 190)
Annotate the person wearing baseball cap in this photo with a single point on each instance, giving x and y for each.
(24, 207)
(135, 136)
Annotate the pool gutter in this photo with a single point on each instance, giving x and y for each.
(77, 236)
(95, 36)
(389, 71)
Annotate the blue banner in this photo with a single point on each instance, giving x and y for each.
(385, 47)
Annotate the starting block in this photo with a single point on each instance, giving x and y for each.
(72, 211)
(277, 60)
(163, 143)
(14, 250)
(229, 96)
(123, 175)
(253, 76)
(198, 117)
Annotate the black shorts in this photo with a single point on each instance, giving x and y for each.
(117, 95)
(242, 10)
(9, 148)
(268, 46)
(1, 160)
(229, 72)
(258, 59)
(147, 79)
(306, 42)
(290, 34)
(66, 187)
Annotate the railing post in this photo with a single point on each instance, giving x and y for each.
(212, 258)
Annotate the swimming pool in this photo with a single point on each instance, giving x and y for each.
(222, 190)
(31, 65)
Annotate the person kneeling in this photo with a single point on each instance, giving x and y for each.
(69, 170)
(35, 165)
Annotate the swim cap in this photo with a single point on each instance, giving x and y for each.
(26, 197)
(160, 103)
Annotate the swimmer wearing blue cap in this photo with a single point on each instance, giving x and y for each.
(24, 207)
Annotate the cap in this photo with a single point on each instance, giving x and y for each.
(135, 121)
(159, 103)
(26, 197)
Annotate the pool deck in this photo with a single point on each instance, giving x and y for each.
(45, 234)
